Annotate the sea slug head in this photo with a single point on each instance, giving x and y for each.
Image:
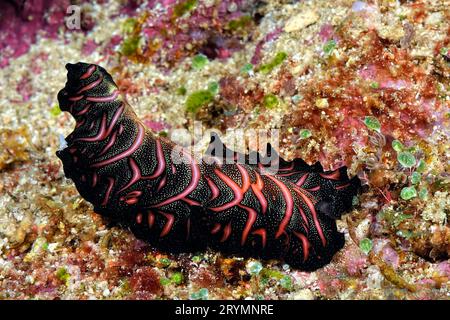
(86, 84)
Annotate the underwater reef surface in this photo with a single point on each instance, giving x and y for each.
(357, 83)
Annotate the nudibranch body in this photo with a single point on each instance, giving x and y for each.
(137, 178)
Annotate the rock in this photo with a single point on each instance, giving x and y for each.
(392, 33)
(304, 294)
(301, 21)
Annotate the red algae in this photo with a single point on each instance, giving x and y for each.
(384, 83)
(145, 283)
(20, 24)
(165, 38)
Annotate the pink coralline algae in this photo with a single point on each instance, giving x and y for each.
(20, 22)
(173, 30)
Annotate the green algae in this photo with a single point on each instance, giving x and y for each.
(165, 262)
(199, 61)
(372, 123)
(397, 145)
(270, 101)
(213, 87)
(181, 91)
(184, 7)
(63, 275)
(408, 193)
(329, 46)
(247, 68)
(415, 178)
(198, 99)
(366, 245)
(254, 267)
(374, 85)
(130, 45)
(239, 23)
(177, 278)
(201, 294)
(128, 25)
(406, 159)
(55, 111)
(276, 61)
(305, 134)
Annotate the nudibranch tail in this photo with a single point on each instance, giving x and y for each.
(254, 205)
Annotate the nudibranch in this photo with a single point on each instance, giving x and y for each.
(237, 207)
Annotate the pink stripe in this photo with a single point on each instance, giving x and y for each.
(160, 160)
(192, 185)
(79, 124)
(244, 177)
(170, 219)
(226, 232)
(88, 73)
(78, 98)
(216, 228)
(108, 191)
(305, 245)
(342, 186)
(302, 180)
(250, 221)
(151, 219)
(84, 110)
(316, 188)
(103, 133)
(261, 232)
(104, 99)
(335, 175)
(214, 190)
(100, 134)
(314, 214)
(136, 172)
(257, 190)
(302, 213)
(289, 205)
(136, 144)
(162, 183)
(91, 85)
(238, 195)
(94, 180)
(110, 143)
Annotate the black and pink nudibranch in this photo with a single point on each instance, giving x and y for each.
(130, 175)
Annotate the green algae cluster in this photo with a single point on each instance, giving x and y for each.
(329, 47)
(131, 41)
(372, 123)
(276, 61)
(305, 134)
(196, 100)
(239, 23)
(408, 193)
(270, 101)
(199, 61)
(366, 245)
(55, 111)
(63, 275)
(184, 7)
(130, 45)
